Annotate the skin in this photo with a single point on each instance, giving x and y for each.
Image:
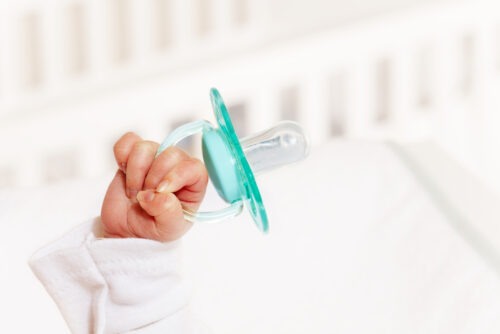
(147, 195)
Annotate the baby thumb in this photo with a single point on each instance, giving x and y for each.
(167, 211)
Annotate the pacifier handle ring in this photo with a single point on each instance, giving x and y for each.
(172, 139)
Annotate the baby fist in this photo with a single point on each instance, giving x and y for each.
(147, 195)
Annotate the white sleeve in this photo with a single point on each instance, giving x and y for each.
(115, 285)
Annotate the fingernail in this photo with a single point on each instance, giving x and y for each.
(146, 195)
(123, 166)
(131, 193)
(162, 186)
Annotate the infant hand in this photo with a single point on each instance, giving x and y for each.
(147, 195)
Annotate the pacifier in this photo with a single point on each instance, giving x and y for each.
(232, 164)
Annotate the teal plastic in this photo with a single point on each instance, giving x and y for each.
(227, 166)
(221, 165)
(249, 191)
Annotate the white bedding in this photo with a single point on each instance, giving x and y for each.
(356, 245)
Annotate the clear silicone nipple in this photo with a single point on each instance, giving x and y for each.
(283, 144)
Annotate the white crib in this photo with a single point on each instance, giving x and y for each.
(75, 74)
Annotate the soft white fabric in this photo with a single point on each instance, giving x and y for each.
(470, 206)
(356, 245)
(115, 285)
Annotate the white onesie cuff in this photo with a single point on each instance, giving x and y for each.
(112, 285)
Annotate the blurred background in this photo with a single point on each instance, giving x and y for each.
(76, 74)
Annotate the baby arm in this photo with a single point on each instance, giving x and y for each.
(120, 272)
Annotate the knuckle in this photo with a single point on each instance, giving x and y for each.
(120, 145)
(118, 148)
(177, 176)
(197, 167)
(143, 145)
(142, 155)
(200, 165)
(141, 164)
(170, 203)
(129, 134)
(187, 168)
(173, 153)
(151, 143)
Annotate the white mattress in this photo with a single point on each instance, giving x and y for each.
(356, 244)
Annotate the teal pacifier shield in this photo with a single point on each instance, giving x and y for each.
(221, 165)
(243, 175)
